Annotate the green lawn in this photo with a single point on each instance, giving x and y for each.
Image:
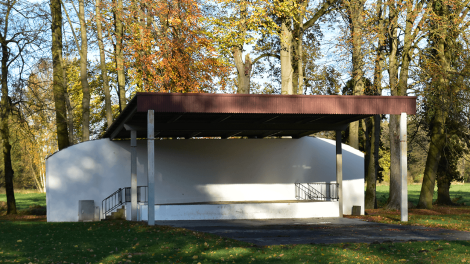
(24, 201)
(121, 241)
(414, 190)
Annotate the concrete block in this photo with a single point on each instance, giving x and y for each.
(356, 210)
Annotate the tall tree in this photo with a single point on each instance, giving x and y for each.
(447, 22)
(104, 72)
(400, 54)
(374, 126)
(179, 54)
(119, 52)
(296, 18)
(82, 48)
(84, 72)
(20, 31)
(59, 88)
(355, 10)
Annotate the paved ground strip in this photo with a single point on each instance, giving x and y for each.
(316, 231)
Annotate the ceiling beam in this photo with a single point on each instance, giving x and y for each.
(221, 119)
(231, 134)
(267, 119)
(270, 134)
(192, 135)
(174, 119)
(310, 119)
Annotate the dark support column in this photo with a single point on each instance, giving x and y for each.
(339, 171)
(151, 167)
(133, 175)
(403, 168)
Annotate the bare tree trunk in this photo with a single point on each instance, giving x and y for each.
(434, 155)
(286, 55)
(57, 86)
(373, 165)
(442, 47)
(69, 117)
(395, 177)
(84, 73)
(300, 89)
(120, 56)
(356, 19)
(394, 125)
(371, 177)
(443, 186)
(5, 131)
(67, 102)
(243, 69)
(104, 72)
(297, 49)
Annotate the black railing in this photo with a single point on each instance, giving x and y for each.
(111, 202)
(115, 200)
(141, 194)
(316, 191)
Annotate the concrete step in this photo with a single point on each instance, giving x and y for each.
(119, 214)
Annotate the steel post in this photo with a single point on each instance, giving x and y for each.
(151, 167)
(339, 171)
(133, 175)
(403, 168)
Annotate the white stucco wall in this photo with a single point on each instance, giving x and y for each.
(199, 171)
(243, 211)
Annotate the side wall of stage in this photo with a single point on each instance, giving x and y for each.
(189, 171)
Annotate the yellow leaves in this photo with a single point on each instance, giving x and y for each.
(195, 257)
(19, 241)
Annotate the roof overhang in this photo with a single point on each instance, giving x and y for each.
(226, 115)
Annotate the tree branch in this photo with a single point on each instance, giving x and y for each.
(266, 55)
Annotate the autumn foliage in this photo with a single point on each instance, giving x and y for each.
(167, 48)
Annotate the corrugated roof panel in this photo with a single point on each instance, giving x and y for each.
(282, 104)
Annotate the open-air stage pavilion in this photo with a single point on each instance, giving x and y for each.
(220, 156)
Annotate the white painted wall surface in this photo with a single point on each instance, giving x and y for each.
(199, 171)
(242, 211)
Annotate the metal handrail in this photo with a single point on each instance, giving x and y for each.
(316, 191)
(110, 203)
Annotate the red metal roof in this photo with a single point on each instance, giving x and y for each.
(226, 115)
(275, 104)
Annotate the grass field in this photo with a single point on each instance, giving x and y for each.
(25, 200)
(36, 241)
(122, 242)
(460, 190)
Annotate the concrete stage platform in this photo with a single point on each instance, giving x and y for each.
(231, 210)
